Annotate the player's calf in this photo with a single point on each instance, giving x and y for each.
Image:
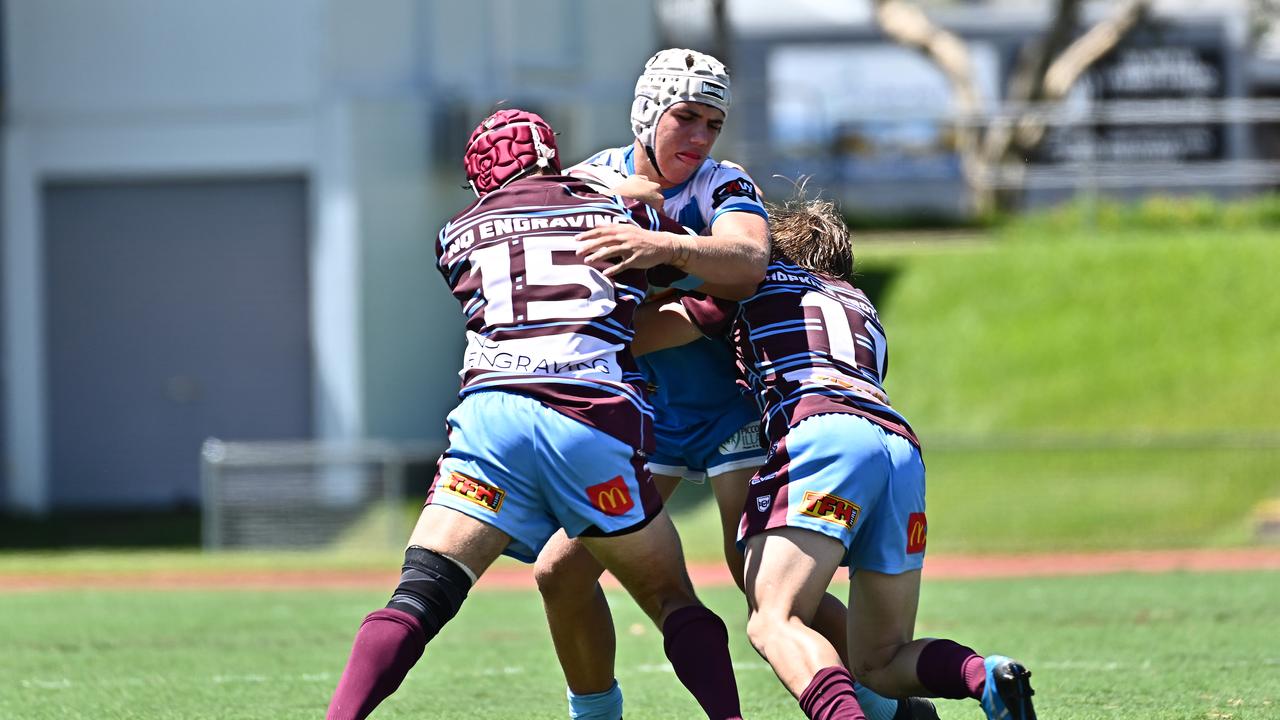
(650, 565)
(391, 640)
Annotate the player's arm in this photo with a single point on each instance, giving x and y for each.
(662, 325)
(736, 253)
(669, 323)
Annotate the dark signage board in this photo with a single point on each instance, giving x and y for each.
(1150, 65)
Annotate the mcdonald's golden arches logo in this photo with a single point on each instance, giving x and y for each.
(917, 532)
(611, 498)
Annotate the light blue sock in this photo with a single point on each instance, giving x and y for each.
(605, 705)
(876, 707)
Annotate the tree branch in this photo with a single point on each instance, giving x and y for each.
(1091, 46)
(1079, 56)
(908, 25)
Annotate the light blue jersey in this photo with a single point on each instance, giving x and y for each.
(699, 410)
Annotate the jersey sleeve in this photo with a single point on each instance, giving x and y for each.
(442, 263)
(712, 315)
(733, 190)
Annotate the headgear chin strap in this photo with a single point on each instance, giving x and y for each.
(674, 76)
(506, 146)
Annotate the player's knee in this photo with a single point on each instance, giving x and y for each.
(432, 588)
(566, 571)
(870, 664)
(558, 581)
(761, 627)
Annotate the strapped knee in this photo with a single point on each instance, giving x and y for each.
(432, 588)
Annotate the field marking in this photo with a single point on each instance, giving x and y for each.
(506, 576)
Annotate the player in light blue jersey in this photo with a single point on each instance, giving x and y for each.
(705, 427)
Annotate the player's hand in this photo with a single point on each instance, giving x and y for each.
(639, 187)
(626, 246)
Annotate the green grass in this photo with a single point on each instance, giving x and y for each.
(1085, 332)
(1129, 647)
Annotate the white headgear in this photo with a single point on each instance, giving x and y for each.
(673, 76)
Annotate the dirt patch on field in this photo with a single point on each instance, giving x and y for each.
(510, 577)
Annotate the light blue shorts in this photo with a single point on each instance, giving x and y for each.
(528, 470)
(844, 476)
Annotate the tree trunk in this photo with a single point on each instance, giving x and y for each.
(1045, 72)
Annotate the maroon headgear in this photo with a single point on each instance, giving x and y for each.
(508, 144)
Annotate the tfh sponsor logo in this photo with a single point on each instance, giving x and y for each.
(831, 508)
(611, 498)
(917, 532)
(477, 491)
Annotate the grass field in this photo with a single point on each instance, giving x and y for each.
(1084, 332)
(1079, 384)
(1129, 647)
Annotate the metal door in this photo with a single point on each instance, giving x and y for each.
(175, 311)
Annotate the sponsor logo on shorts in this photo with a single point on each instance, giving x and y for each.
(611, 498)
(746, 438)
(477, 491)
(831, 508)
(763, 502)
(917, 532)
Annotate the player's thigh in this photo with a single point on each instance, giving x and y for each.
(788, 571)
(650, 565)
(471, 542)
(667, 485)
(731, 493)
(882, 614)
(730, 489)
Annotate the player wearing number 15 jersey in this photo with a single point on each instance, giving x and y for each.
(843, 483)
(551, 425)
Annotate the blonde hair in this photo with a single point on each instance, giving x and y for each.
(812, 234)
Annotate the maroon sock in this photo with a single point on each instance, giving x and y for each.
(830, 696)
(697, 644)
(951, 670)
(388, 643)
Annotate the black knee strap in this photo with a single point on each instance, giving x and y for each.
(432, 588)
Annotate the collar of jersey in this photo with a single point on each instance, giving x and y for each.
(629, 158)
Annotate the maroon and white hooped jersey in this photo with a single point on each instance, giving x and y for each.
(540, 321)
(805, 345)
